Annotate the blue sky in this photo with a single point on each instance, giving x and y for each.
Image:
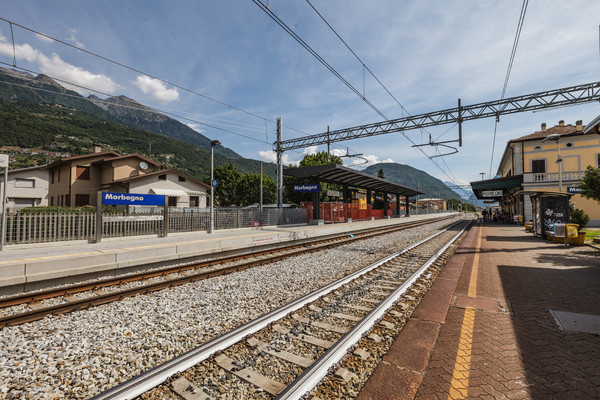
(427, 53)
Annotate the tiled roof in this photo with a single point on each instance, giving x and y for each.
(566, 130)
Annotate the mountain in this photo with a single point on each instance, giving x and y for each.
(22, 87)
(462, 192)
(35, 133)
(415, 178)
(130, 113)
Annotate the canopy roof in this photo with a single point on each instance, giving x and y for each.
(495, 189)
(334, 173)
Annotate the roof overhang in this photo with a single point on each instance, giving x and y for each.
(496, 189)
(169, 192)
(334, 173)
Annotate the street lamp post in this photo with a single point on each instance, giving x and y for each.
(212, 185)
(556, 137)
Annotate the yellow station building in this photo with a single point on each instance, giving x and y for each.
(552, 159)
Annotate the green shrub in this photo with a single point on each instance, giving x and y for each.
(579, 217)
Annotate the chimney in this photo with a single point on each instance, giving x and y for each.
(97, 148)
(543, 126)
(561, 123)
(579, 126)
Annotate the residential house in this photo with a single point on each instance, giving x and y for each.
(75, 181)
(26, 187)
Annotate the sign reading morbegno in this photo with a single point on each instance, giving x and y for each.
(133, 199)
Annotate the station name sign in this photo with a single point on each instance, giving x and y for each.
(492, 193)
(574, 189)
(133, 199)
(314, 187)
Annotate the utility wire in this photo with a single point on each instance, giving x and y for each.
(151, 109)
(286, 28)
(508, 71)
(143, 73)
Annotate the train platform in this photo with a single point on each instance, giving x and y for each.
(510, 317)
(35, 266)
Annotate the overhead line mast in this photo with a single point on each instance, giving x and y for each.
(548, 99)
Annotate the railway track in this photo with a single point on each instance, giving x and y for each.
(30, 307)
(288, 352)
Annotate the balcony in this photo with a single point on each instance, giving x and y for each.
(552, 177)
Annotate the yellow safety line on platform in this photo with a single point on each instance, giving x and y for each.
(462, 366)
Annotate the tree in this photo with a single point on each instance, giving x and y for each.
(590, 183)
(310, 160)
(229, 179)
(249, 190)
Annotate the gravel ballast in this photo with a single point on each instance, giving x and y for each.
(81, 354)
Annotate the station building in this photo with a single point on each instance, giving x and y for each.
(531, 164)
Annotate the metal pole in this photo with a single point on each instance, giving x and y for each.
(98, 217)
(260, 204)
(279, 165)
(165, 230)
(559, 161)
(328, 143)
(212, 190)
(4, 208)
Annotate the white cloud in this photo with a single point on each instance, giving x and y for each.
(310, 150)
(55, 67)
(156, 89)
(44, 38)
(73, 39)
(371, 159)
(196, 127)
(271, 156)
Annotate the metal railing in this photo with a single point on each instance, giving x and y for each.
(23, 227)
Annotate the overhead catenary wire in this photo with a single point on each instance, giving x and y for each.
(296, 37)
(508, 71)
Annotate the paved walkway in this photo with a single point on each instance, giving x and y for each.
(489, 328)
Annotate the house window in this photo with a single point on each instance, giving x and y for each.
(68, 200)
(538, 166)
(82, 172)
(52, 177)
(538, 148)
(569, 145)
(59, 175)
(598, 160)
(172, 201)
(82, 200)
(24, 183)
(194, 201)
(51, 201)
(162, 177)
(181, 179)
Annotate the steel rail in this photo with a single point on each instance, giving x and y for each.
(86, 287)
(156, 376)
(530, 102)
(311, 377)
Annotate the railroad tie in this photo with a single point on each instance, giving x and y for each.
(188, 390)
(322, 325)
(325, 344)
(359, 308)
(267, 384)
(284, 355)
(362, 353)
(347, 317)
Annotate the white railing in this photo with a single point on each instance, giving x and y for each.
(552, 176)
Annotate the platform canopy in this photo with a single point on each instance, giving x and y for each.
(498, 188)
(334, 173)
